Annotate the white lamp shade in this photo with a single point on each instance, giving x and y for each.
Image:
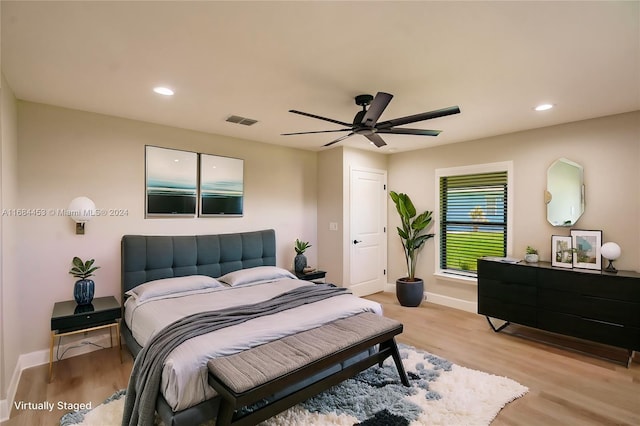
(82, 209)
(610, 251)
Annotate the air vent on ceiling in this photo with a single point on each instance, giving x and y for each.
(241, 120)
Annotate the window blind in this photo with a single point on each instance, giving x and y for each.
(473, 219)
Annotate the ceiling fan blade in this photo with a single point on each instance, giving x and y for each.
(319, 131)
(339, 139)
(377, 140)
(418, 117)
(376, 109)
(405, 131)
(342, 123)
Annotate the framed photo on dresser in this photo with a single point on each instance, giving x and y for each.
(586, 246)
(561, 251)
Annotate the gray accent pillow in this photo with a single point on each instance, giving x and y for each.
(168, 286)
(255, 274)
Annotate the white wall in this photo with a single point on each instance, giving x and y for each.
(334, 168)
(330, 209)
(10, 313)
(66, 153)
(608, 149)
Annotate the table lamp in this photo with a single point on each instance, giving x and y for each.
(610, 251)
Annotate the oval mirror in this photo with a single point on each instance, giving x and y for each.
(565, 193)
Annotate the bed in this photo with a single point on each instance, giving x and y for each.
(165, 278)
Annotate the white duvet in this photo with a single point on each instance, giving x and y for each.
(184, 376)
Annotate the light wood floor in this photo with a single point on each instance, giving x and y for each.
(566, 387)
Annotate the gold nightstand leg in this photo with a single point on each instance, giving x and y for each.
(53, 336)
(119, 341)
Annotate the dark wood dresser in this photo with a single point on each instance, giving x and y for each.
(591, 305)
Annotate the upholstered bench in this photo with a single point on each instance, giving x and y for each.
(257, 374)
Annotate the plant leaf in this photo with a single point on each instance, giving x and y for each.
(402, 233)
(411, 210)
(77, 262)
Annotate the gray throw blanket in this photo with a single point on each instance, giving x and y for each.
(144, 383)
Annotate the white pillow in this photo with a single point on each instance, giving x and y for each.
(168, 286)
(255, 274)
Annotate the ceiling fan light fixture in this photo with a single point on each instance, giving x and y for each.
(365, 122)
(544, 107)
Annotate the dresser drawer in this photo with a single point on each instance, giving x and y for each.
(512, 273)
(85, 320)
(519, 314)
(598, 331)
(593, 284)
(597, 308)
(508, 292)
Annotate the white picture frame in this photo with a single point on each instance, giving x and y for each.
(561, 251)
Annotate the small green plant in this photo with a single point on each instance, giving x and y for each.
(83, 270)
(301, 246)
(531, 250)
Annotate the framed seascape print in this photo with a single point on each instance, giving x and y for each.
(586, 246)
(171, 182)
(561, 251)
(221, 186)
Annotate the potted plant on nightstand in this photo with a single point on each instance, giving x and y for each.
(409, 289)
(84, 288)
(300, 261)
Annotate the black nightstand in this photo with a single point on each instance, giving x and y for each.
(315, 276)
(70, 318)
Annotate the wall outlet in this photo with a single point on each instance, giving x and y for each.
(333, 226)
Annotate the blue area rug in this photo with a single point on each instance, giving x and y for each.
(441, 393)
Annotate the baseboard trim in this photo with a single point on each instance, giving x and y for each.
(5, 404)
(4, 410)
(452, 302)
(33, 359)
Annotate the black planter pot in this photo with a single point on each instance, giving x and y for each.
(299, 263)
(410, 293)
(83, 291)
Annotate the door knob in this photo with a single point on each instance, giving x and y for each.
(356, 241)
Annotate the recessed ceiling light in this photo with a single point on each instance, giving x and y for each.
(163, 91)
(543, 107)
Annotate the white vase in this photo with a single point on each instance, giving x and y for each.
(531, 258)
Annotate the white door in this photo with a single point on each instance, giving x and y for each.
(368, 221)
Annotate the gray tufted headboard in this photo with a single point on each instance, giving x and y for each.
(152, 257)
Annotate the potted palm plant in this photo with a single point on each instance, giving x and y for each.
(300, 261)
(409, 289)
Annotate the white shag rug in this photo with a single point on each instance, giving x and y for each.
(441, 393)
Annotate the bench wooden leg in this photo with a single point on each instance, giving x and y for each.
(225, 413)
(391, 344)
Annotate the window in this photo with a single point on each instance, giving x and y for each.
(473, 215)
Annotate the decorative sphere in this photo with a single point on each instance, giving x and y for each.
(610, 251)
(82, 209)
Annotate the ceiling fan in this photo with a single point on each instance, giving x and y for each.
(365, 122)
